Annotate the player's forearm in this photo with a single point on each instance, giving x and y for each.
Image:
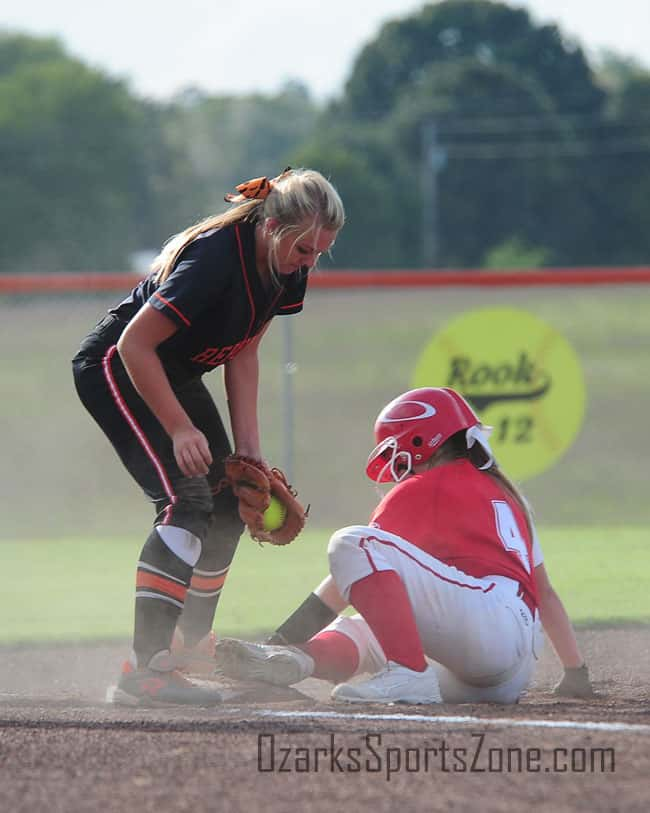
(241, 379)
(150, 380)
(559, 629)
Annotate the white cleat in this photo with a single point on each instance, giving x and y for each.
(394, 684)
(279, 665)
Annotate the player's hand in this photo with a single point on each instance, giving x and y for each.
(575, 683)
(192, 451)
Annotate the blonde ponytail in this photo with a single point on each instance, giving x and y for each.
(164, 263)
(511, 489)
(298, 199)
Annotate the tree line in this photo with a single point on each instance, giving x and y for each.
(466, 135)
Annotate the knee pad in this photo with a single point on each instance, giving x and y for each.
(181, 542)
(193, 493)
(158, 557)
(190, 507)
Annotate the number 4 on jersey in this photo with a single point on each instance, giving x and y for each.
(509, 532)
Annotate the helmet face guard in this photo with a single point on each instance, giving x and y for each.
(387, 464)
(410, 429)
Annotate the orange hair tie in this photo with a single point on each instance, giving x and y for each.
(255, 189)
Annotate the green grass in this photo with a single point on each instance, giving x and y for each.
(74, 589)
(601, 574)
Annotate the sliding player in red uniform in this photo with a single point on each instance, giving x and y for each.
(208, 302)
(448, 569)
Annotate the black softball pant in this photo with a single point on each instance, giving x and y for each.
(197, 504)
(146, 450)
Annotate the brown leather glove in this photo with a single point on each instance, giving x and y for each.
(254, 483)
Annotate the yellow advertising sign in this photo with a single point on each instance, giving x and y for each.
(521, 376)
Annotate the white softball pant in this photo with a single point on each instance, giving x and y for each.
(481, 636)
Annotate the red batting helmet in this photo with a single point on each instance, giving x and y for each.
(412, 427)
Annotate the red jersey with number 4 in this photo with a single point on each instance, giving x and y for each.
(462, 517)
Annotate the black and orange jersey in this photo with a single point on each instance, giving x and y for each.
(216, 298)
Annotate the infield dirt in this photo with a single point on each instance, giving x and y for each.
(63, 749)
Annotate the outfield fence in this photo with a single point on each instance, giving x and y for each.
(325, 375)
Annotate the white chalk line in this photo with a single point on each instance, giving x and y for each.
(628, 728)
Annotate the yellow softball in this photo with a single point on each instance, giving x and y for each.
(274, 515)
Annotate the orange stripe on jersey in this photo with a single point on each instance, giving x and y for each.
(208, 582)
(173, 307)
(293, 305)
(161, 584)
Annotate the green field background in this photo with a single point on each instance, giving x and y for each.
(73, 522)
(82, 589)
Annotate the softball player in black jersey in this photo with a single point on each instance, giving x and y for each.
(209, 300)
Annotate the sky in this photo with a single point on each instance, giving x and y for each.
(258, 45)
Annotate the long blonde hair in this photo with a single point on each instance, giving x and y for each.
(298, 198)
(455, 448)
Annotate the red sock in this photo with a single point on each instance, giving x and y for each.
(336, 656)
(382, 600)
